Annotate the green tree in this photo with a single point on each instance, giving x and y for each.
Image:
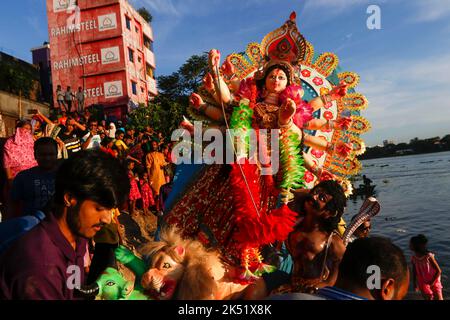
(139, 118)
(145, 14)
(165, 113)
(179, 85)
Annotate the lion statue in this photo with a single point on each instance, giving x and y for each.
(183, 269)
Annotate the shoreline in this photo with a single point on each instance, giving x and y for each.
(403, 155)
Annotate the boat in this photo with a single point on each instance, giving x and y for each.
(364, 190)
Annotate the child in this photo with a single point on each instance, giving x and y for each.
(134, 190)
(426, 271)
(146, 192)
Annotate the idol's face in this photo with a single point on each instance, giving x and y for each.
(276, 81)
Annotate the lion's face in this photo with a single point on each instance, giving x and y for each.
(164, 273)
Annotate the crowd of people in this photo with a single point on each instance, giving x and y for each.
(29, 184)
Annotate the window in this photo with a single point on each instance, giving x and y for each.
(139, 59)
(150, 71)
(130, 55)
(128, 22)
(142, 90)
(148, 43)
(137, 29)
(134, 87)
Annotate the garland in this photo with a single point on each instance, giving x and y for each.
(292, 163)
(241, 124)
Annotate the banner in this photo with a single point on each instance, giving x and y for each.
(107, 22)
(110, 55)
(113, 89)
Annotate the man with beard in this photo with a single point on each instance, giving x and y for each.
(47, 262)
(315, 245)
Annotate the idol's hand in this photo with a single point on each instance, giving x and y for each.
(187, 125)
(214, 60)
(208, 82)
(325, 175)
(343, 149)
(343, 123)
(339, 91)
(228, 68)
(287, 111)
(196, 101)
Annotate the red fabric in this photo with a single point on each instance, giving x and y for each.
(257, 225)
(147, 194)
(109, 151)
(134, 190)
(18, 152)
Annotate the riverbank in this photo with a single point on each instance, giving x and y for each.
(414, 147)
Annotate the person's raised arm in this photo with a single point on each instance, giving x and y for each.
(79, 125)
(86, 143)
(47, 120)
(133, 159)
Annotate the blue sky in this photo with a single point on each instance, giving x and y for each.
(404, 67)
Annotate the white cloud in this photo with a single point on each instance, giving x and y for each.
(181, 8)
(407, 97)
(166, 7)
(431, 10)
(339, 5)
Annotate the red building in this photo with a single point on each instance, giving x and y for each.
(104, 47)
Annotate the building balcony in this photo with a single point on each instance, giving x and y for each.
(149, 57)
(147, 31)
(152, 86)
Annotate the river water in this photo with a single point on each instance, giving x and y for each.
(414, 194)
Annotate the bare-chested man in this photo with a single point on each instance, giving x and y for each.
(315, 245)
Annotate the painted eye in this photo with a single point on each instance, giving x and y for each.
(110, 283)
(166, 265)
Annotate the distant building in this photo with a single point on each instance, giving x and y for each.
(20, 92)
(41, 59)
(104, 47)
(387, 142)
(19, 77)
